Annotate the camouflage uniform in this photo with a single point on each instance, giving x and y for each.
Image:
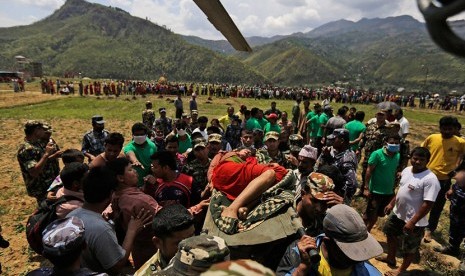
(148, 118)
(166, 124)
(93, 142)
(198, 172)
(195, 255)
(373, 139)
(238, 268)
(154, 264)
(280, 158)
(29, 154)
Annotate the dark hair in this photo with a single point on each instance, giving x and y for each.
(254, 111)
(448, 121)
(247, 113)
(139, 126)
(65, 261)
(171, 139)
(72, 155)
(118, 165)
(341, 111)
(421, 151)
(394, 136)
(202, 119)
(165, 158)
(171, 219)
(74, 171)
(214, 129)
(98, 184)
(115, 139)
(360, 116)
(246, 132)
(196, 135)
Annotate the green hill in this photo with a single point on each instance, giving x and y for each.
(107, 42)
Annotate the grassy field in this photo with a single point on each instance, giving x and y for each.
(70, 117)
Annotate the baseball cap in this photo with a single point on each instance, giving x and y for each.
(241, 267)
(63, 236)
(339, 133)
(309, 152)
(194, 112)
(271, 135)
(381, 111)
(273, 116)
(184, 115)
(199, 142)
(161, 109)
(98, 119)
(319, 184)
(346, 227)
(196, 255)
(214, 137)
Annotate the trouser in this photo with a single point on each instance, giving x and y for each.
(438, 205)
(457, 223)
(364, 169)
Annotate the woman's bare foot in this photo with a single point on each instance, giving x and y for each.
(242, 213)
(229, 212)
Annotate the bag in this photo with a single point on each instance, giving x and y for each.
(43, 216)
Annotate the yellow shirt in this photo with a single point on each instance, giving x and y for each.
(324, 269)
(445, 154)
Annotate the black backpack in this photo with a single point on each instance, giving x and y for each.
(43, 216)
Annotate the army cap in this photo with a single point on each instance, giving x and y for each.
(199, 142)
(32, 124)
(194, 112)
(196, 255)
(271, 135)
(339, 133)
(63, 236)
(240, 267)
(162, 109)
(214, 137)
(295, 138)
(47, 127)
(98, 119)
(319, 184)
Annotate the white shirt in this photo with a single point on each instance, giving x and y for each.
(404, 126)
(413, 191)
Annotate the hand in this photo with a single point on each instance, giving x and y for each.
(291, 158)
(140, 221)
(51, 196)
(449, 193)
(409, 227)
(56, 155)
(150, 179)
(138, 164)
(304, 245)
(367, 193)
(107, 214)
(326, 150)
(388, 209)
(50, 148)
(204, 203)
(332, 198)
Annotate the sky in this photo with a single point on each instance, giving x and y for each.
(253, 17)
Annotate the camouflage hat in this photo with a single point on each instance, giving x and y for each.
(196, 255)
(47, 127)
(63, 236)
(271, 135)
(238, 268)
(319, 184)
(32, 124)
(295, 148)
(214, 137)
(339, 133)
(199, 142)
(98, 119)
(295, 137)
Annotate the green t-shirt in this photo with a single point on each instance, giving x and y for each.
(322, 120)
(184, 145)
(269, 127)
(384, 175)
(143, 154)
(315, 125)
(262, 122)
(355, 128)
(252, 124)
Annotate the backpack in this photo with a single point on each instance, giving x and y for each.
(43, 216)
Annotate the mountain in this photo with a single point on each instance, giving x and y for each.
(393, 51)
(107, 42)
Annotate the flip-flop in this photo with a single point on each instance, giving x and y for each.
(393, 272)
(383, 258)
(227, 225)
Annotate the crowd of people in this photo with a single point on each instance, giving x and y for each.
(141, 203)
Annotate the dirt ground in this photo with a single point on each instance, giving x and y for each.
(16, 206)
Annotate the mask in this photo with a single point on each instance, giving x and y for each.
(139, 139)
(181, 132)
(393, 147)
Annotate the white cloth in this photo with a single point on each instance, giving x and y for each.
(404, 126)
(413, 191)
(204, 133)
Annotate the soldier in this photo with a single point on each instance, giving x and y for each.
(372, 140)
(198, 168)
(34, 161)
(196, 254)
(272, 142)
(148, 115)
(165, 123)
(93, 142)
(241, 267)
